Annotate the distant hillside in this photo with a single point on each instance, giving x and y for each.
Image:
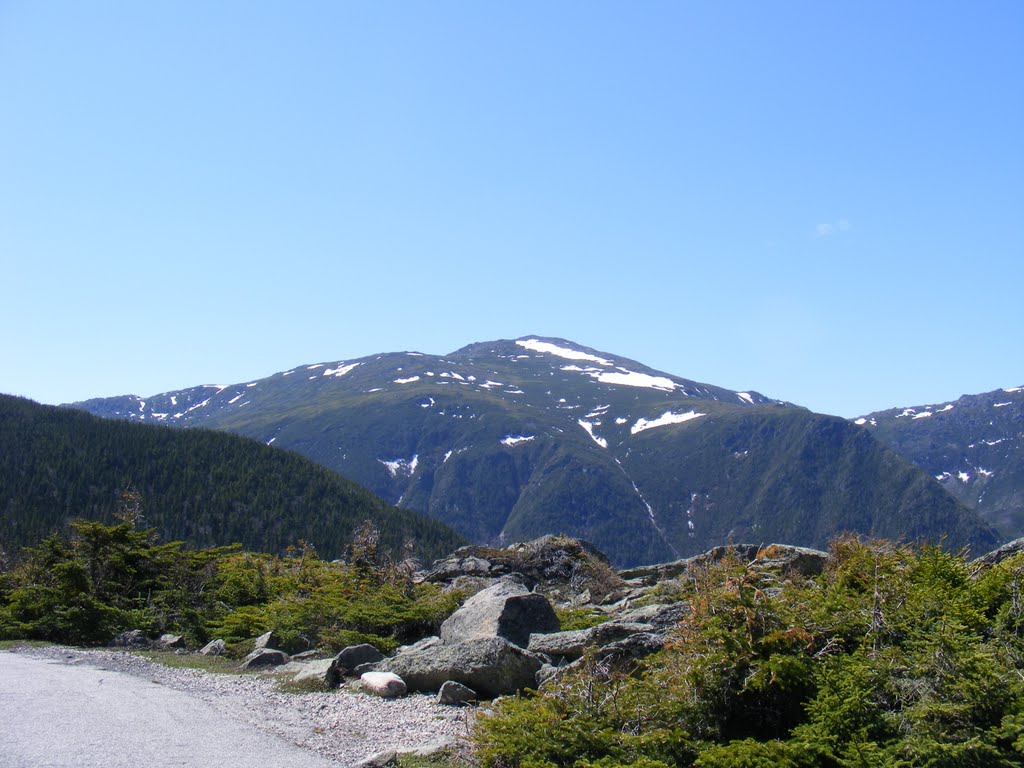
(509, 440)
(206, 488)
(973, 446)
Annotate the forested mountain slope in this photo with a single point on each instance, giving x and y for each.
(204, 487)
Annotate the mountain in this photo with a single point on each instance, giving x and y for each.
(973, 446)
(206, 488)
(508, 440)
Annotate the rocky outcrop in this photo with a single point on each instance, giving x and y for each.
(558, 566)
(490, 666)
(997, 556)
(787, 560)
(507, 609)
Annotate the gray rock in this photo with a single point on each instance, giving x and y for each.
(213, 648)
(134, 638)
(545, 673)
(361, 669)
(264, 641)
(571, 645)
(465, 561)
(506, 609)
(387, 685)
(319, 670)
(264, 657)
(791, 561)
(420, 645)
(998, 555)
(490, 666)
(455, 694)
(168, 641)
(354, 655)
(305, 655)
(379, 760)
(626, 652)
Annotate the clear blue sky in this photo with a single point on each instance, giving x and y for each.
(820, 201)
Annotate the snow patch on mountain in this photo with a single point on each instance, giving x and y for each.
(409, 380)
(537, 345)
(589, 427)
(341, 370)
(513, 440)
(668, 417)
(397, 467)
(634, 379)
(745, 396)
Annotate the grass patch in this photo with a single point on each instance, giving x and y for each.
(443, 759)
(571, 619)
(8, 645)
(286, 684)
(217, 664)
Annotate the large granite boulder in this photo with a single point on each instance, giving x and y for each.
(348, 659)
(491, 666)
(507, 610)
(318, 671)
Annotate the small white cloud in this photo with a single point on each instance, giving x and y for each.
(828, 228)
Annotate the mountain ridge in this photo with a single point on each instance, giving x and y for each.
(973, 446)
(510, 439)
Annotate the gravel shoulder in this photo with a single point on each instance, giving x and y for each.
(341, 727)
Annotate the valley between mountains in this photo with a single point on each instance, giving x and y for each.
(508, 440)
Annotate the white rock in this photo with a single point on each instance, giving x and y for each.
(387, 685)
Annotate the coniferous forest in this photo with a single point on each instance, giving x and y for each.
(201, 487)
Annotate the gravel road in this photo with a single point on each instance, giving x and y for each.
(63, 707)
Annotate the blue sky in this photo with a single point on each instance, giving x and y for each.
(823, 202)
